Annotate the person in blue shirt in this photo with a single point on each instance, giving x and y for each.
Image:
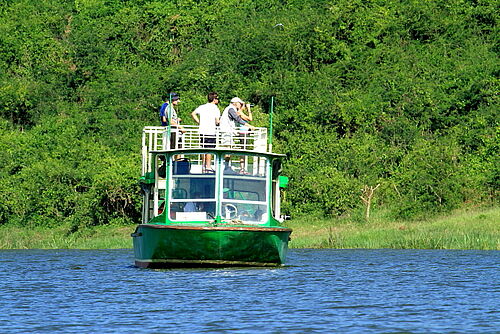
(168, 110)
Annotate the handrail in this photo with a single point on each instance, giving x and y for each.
(157, 138)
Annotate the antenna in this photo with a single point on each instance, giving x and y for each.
(169, 119)
(271, 125)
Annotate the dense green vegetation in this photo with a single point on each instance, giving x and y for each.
(389, 100)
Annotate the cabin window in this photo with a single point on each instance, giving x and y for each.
(158, 206)
(192, 189)
(244, 193)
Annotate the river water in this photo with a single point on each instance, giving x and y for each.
(318, 291)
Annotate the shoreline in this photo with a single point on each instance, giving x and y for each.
(464, 229)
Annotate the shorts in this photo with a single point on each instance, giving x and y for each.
(175, 139)
(207, 141)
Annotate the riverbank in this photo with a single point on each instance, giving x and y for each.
(478, 229)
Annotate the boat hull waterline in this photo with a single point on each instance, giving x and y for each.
(166, 246)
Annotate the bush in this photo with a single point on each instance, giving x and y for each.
(403, 94)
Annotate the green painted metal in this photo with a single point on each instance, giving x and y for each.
(169, 117)
(149, 178)
(163, 243)
(271, 124)
(283, 181)
(166, 246)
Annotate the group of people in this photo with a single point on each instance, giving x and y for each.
(208, 117)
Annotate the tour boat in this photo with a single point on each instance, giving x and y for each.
(226, 214)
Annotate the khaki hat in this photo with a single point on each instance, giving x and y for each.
(237, 100)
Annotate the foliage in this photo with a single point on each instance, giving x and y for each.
(398, 93)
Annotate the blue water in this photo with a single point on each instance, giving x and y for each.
(319, 291)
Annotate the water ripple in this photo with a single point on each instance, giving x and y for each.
(368, 291)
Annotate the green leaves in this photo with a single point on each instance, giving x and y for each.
(367, 92)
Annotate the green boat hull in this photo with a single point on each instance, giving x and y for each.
(164, 246)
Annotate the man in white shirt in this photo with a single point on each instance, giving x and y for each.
(208, 117)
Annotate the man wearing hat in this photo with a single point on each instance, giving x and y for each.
(167, 111)
(233, 116)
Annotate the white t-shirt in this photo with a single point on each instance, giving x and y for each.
(207, 113)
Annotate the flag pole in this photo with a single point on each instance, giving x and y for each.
(271, 125)
(169, 119)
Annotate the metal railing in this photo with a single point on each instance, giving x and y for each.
(155, 138)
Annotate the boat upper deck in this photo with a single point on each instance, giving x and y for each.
(156, 138)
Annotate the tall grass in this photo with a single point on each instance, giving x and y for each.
(100, 237)
(461, 230)
(478, 229)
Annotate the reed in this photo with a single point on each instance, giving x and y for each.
(462, 230)
(99, 237)
(477, 229)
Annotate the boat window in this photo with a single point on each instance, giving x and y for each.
(158, 192)
(192, 196)
(244, 193)
(162, 166)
